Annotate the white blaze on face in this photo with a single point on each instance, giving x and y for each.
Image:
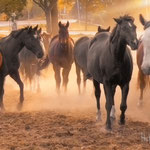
(146, 45)
(35, 36)
(129, 24)
(41, 42)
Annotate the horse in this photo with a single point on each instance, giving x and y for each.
(143, 62)
(80, 56)
(29, 66)
(10, 46)
(46, 37)
(109, 62)
(60, 54)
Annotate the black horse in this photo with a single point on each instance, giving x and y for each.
(80, 56)
(60, 54)
(109, 62)
(10, 47)
(29, 65)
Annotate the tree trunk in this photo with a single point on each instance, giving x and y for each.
(54, 15)
(48, 21)
(86, 16)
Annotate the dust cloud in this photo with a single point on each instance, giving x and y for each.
(71, 101)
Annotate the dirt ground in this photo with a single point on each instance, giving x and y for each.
(68, 121)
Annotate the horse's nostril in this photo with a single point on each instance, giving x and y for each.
(40, 55)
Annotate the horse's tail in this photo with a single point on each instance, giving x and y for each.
(1, 60)
(44, 63)
(142, 80)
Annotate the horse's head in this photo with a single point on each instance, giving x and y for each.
(127, 30)
(63, 33)
(100, 29)
(144, 22)
(145, 41)
(31, 39)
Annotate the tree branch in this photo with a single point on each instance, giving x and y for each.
(40, 4)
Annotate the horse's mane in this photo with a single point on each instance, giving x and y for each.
(15, 34)
(122, 18)
(54, 38)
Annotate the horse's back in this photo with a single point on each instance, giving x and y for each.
(97, 47)
(80, 52)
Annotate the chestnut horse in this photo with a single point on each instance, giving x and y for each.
(143, 58)
(60, 54)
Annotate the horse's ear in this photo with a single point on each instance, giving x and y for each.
(99, 28)
(108, 29)
(67, 24)
(118, 21)
(39, 31)
(35, 28)
(142, 20)
(30, 29)
(59, 24)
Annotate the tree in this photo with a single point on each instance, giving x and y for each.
(29, 7)
(51, 12)
(9, 7)
(91, 6)
(65, 6)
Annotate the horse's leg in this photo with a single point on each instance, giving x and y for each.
(78, 76)
(109, 101)
(142, 84)
(112, 113)
(57, 77)
(65, 74)
(38, 84)
(1, 92)
(123, 106)
(15, 75)
(97, 95)
(84, 82)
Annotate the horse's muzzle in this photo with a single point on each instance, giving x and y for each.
(39, 54)
(134, 44)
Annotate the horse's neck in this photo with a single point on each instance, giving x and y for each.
(118, 48)
(15, 46)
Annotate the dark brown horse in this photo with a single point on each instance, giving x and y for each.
(143, 58)
(80, 56)
(60, 54)
(10, 47)
(109, 62)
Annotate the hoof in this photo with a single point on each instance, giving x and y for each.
(108, 128)
(112, 119)
(122, 122)
(2, 109)
(98, 117)
(19, 106)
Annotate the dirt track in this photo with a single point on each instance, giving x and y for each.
(68, 121)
